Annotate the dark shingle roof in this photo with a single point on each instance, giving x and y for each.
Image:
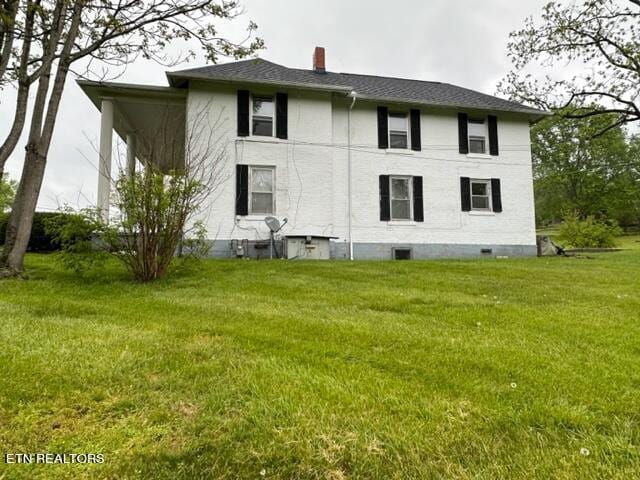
(366, 86)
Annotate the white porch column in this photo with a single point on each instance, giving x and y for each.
(104, 167)
(131, 153)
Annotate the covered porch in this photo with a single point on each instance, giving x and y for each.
(150, 120)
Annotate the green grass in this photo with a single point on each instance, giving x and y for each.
(442, 369)
(631, 242)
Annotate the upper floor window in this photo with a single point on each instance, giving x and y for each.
(398, 130)
(481, 195)
(262, 190)
(262, 116)
(477, 135)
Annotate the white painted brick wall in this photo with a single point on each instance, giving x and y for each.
(311, 174)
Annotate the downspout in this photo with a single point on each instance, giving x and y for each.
(349, 187)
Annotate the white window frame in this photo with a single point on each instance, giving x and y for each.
(272, 169)
(409, 180)
(485, 137)
(273, 115)
(406, 122)
(486, 182)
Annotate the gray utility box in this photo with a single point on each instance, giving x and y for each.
(310, 247)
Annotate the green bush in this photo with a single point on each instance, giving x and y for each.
(74, 232)
(588, 232)
(39, 241)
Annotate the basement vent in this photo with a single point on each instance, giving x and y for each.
(401, 253)
(486, 251)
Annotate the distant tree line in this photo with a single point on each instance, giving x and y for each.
(584, 159)
(579, 172)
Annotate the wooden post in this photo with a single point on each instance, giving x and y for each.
(131, 153)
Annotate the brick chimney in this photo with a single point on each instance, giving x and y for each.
(318, 60)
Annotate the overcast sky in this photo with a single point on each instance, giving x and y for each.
(462, 42)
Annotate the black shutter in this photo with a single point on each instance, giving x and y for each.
(242, 189)
(493, 135)
(243, 113)
(465, 193)
(383, 134)
(463, 133)
(496, 196)
(418, 209)
(281, 115)
(385, 201)
(415, 130)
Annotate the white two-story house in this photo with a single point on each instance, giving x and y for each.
(360, 166)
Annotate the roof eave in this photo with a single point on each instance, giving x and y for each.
(532, 113)
(149, 89)
(179, 81)
(99, 90)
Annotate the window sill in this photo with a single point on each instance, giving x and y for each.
(254, 217)
(402, 223)
(485, 156)
(261, 139)
(481, 213)
(399, 151)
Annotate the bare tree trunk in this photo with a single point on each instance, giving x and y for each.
(26, 199)
(23, 89)
(25, 80)
(7, 34)
(24, 207)
(11, 261)
(16, 128)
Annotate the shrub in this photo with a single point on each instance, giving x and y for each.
(154, 209)
(74, 232)
(588, 232)
(39, 241)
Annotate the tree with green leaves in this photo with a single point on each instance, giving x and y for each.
(599, 40)
(578, 169)
(7, 192)
(42, 41)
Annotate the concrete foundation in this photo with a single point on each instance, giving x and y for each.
(385, 251)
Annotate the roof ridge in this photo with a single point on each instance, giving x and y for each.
(392, 78)
(368, 75)
(235, 62)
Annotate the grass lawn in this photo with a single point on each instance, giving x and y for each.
(457, 369)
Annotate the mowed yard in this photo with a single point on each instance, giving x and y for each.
(519, 368)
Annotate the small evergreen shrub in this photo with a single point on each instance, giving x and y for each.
(588, 232)
(39, 241)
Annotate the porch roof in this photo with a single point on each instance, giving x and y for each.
(154, 115)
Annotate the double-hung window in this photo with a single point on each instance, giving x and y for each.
(262, 190)
(477, 136)
(398, 130)
(262, 116)
(400, 190)
(481, 195)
